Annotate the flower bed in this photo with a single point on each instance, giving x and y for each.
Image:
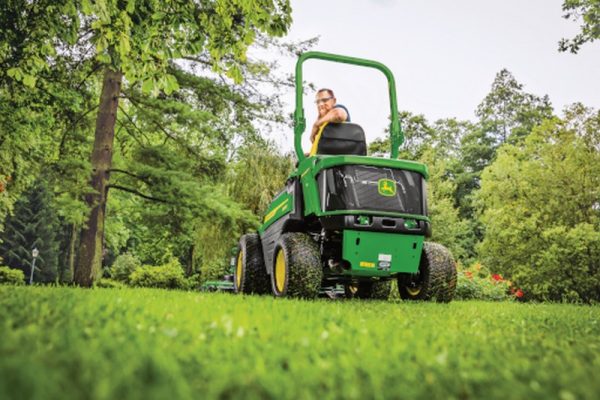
(478, 283)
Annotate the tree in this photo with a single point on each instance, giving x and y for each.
(447, 226)
(418, 135)
(175, 154)
(588, 11)
(539, 204)
(508, 112)
(33, 225)
(136, 41)
(267, 169)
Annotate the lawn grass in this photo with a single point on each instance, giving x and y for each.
(66, 343)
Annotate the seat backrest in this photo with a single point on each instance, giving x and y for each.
(342, 138)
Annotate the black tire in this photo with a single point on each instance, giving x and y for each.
(250, 274)
(374, 290)
(297, 270)
(436, 278)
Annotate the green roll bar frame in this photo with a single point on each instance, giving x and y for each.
(396, 134)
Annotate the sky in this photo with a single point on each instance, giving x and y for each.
(444, 56)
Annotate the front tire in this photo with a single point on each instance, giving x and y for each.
(297, 270)
(250, 274)
(436, 278)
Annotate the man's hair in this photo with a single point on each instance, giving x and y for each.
(329, 91)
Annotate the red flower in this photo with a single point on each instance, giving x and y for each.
(469, 274)
(497, 277)
(519, 293)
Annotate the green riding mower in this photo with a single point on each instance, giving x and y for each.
(347, 220)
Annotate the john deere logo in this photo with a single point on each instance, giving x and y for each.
(386, 187)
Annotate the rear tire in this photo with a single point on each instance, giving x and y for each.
(297, 270)
(250, 274)
(375, 290)
(436, 278)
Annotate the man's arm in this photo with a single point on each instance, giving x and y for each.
(334, 115)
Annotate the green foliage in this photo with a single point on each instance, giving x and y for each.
(259, 173)
(11, 276)
(213, 247)
(124, 265)
(185, 204)
(587, 12)
(138, 40)
(539, 204)
(33, 225)
(508, 113)
(166, 276)
(109, 284)
(179, 344)
(418, 136)
(448, 228)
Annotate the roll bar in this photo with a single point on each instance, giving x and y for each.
(396, 135)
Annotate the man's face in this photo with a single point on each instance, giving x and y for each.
(325, 102)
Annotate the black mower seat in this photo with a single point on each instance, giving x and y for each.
(342, 138)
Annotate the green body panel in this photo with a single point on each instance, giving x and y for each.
(310, 167)
(380, 253)
(282, 205)
(299, 120)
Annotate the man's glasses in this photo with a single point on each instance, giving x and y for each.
(323, 100)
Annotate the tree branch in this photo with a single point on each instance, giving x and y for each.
(132, 123)
(137, 104)
(133, 191)
(122, 171)
(73, 125)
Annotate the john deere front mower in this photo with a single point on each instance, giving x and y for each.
(347, 219)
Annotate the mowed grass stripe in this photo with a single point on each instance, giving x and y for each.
(141, 343)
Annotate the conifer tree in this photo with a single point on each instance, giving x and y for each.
(33, 225)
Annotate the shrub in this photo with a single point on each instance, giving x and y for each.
(566, 267)
(11, 276)
(167, 276)
(194, 282)
(477, 283)
(110, 284)
(124, 266)
(539, 204)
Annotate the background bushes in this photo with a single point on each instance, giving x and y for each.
(540, 208)
(166, 276)
(11, 276)
(124, 266)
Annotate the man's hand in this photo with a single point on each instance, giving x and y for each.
(333, 115)
(315, 130)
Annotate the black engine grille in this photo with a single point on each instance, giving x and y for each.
(355, 187)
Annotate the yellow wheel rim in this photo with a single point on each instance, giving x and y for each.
(353, 288)
(280, 271)
(413, 291)
(238, 269)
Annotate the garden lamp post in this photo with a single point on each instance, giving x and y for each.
(34, 253)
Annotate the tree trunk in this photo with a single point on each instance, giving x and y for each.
(190, 264)
(72, 243)
(89, 260)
